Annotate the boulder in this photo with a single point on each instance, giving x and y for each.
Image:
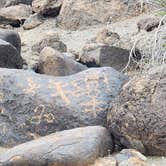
(76, 147)
(9, 56)
(52, 62)
(137, 118)
(6, 3)
(33, 21)
(11, 37)
(50, 40)
(36, 105)
(15, 15)
(47, 7)
(148, 24)
(100, 55)
(105, 36)
(75, 14)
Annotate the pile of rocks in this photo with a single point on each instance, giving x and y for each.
(77, 110)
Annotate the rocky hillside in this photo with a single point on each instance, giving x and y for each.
(82, 82)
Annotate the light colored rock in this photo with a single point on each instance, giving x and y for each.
(52, 62)
(15, 15)
(76, 147)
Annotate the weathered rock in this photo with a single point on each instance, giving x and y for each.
(15, 15)
(52, 62)
(9, 56)
(130, 157)
(33, 104)
(75, 14)
(47, 7)
(50, 40)
(148, 24)
(12, 37)
(106, 36)
(77, 147)
(6, 3)
(104, 55)
(137, 119)
(33, 21)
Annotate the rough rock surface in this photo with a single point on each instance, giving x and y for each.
(15, 15)
(11, 37)
(106, 36)
(52, 62)
(76, 147)
(75, 14)
(47, 7)
(104, 55)
(33, 104)
(50, 40)
(6, 3)
(138, 118)
(9, 56)
(33, 21)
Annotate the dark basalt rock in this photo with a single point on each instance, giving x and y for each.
(36, 105)
(137, 119)
(12, 37)
(9, 56)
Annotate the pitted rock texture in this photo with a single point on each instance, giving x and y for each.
(137, 119)
(76, 147)
(34, 105)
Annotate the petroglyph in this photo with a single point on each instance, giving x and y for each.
(59, 91)
(32, 87)
(40, 115)
(38, 105)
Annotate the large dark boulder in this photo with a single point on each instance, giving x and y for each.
(11, 37)
(9, 56)
(76, 147)
(137, 119)
(52, 62)
(36, 105)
